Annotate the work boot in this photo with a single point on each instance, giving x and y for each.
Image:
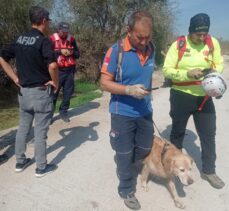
(65, 118)
(214, 180)
(131, 202)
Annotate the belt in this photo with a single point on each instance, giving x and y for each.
(42, 88)
(187, 83)
(33, 86)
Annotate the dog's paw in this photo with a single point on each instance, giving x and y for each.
(179, 204)
(145, 188)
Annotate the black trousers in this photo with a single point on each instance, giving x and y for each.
(182, 106)
(66, 81)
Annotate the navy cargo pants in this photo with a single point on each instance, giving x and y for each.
(132, 139)
(66, 81)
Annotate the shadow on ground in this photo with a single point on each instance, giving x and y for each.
(71, 139)
(80, 110)
(7, 140)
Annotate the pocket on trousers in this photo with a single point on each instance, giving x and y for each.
(44, 105)
(24, 103)
(114, 139)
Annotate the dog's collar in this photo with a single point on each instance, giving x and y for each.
(164, 150)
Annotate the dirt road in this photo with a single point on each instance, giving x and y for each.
(86, 179)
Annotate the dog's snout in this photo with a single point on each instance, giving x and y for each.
(190, 181)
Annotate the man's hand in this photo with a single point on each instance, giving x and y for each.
(195, 73)
(66, 52)
(138, 91)
(55, 86)
(16, 81)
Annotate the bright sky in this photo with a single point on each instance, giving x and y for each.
(218, 10)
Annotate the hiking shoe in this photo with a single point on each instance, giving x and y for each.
(22, 166)
(214, 180)
(51, 122)
(3, 158)
(65, 118)
(48, 169)
(131, 202)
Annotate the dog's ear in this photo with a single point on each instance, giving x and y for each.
(191, 159)
(171, 165)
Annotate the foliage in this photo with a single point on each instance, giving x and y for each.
(100, 23)
(95, 24)
(84, 92)
(13, 21)
(9, 114)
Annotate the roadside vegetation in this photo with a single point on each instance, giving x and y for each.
(9, 113)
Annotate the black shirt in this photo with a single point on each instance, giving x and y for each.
(33, 53)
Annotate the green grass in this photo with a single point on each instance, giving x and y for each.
(84, 93)
(9, 117)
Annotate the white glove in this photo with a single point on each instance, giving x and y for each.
(195, 73)
(66, 52)
(137, 91)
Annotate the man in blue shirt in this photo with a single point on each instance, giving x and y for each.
(130, 105)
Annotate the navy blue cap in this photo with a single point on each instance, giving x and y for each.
(199, 23)
(63, 26)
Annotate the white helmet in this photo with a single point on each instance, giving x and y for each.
(214, 85)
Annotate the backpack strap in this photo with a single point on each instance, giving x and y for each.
(118, 76)
(153, 49)
(209, 43)
(181, 46)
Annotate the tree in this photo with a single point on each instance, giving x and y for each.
(99, 23)
(13, 21)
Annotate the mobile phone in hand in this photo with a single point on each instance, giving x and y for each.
(49, 89)
(151, 89)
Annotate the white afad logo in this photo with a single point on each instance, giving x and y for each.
(24, 40)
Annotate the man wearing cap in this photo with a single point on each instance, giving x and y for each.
(37, 77)
(200, 52)
(130, 104)
(66, 52)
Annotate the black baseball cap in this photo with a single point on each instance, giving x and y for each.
(37, 14)
(63, 26)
